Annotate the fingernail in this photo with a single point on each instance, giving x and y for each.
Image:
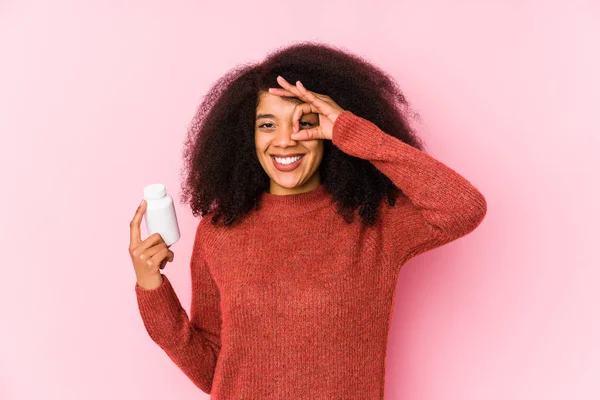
(142, 202)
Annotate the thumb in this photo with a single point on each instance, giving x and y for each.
(309, 134)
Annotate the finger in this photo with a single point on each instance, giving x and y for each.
(309, 134)
(295, 89)
(314, 99)
(318, 101)
(281, 92)
(161, 256)
(170, 255)
(169, 258)
(151, 241)
(148, 253)
(301, 92)
(289, 87)
(135, 236)
(286, 85)
(299, 110)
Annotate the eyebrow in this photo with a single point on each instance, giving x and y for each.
(259, 116)
(290, 99)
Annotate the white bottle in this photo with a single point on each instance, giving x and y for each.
(160, 213)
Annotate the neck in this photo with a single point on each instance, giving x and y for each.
(313, 183)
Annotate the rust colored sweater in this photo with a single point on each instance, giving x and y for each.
(295, 303)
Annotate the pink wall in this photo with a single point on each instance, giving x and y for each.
(95, 98)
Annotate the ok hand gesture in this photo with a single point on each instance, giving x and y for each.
(327, 109)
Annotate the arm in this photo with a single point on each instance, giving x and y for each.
(193, 344)
(443, 205)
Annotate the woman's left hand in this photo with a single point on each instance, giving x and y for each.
(327, 109)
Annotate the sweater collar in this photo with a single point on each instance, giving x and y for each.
(299, 203)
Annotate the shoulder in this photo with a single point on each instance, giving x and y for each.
(204, 232)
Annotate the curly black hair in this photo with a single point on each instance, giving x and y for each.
(222, 173)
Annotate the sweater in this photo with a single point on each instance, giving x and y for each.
(296, 303)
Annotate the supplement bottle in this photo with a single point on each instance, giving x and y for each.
(160, 213)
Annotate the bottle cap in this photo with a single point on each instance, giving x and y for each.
(155, 191)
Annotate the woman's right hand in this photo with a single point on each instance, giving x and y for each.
(148, 256)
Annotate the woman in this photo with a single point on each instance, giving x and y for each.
(291, 296)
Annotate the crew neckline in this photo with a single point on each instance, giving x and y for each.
(298, 203)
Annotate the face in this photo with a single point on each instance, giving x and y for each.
(272, 136)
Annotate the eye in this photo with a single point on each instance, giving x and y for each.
(269, 123)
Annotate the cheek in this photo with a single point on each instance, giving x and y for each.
(258, 143)
(317, 149)
(317, 155)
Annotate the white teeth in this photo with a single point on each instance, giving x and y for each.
(287, 160)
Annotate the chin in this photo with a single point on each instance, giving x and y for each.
(287, 184)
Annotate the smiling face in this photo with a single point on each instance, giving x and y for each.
(272, 137)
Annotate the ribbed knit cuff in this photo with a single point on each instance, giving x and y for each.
(357, 136)
(161, 310)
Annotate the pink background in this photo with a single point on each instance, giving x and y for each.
(95, 99)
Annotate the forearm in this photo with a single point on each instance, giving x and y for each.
(168, 325)
(447, 200)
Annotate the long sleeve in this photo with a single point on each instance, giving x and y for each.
(443, 205)
(193, 344)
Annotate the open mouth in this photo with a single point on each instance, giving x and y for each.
(287, 163)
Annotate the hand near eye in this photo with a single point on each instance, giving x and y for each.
(327, 109)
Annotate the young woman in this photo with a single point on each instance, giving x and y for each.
(292, 296)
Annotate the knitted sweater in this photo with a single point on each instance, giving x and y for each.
(295, 303)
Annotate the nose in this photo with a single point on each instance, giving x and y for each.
(283, 136)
